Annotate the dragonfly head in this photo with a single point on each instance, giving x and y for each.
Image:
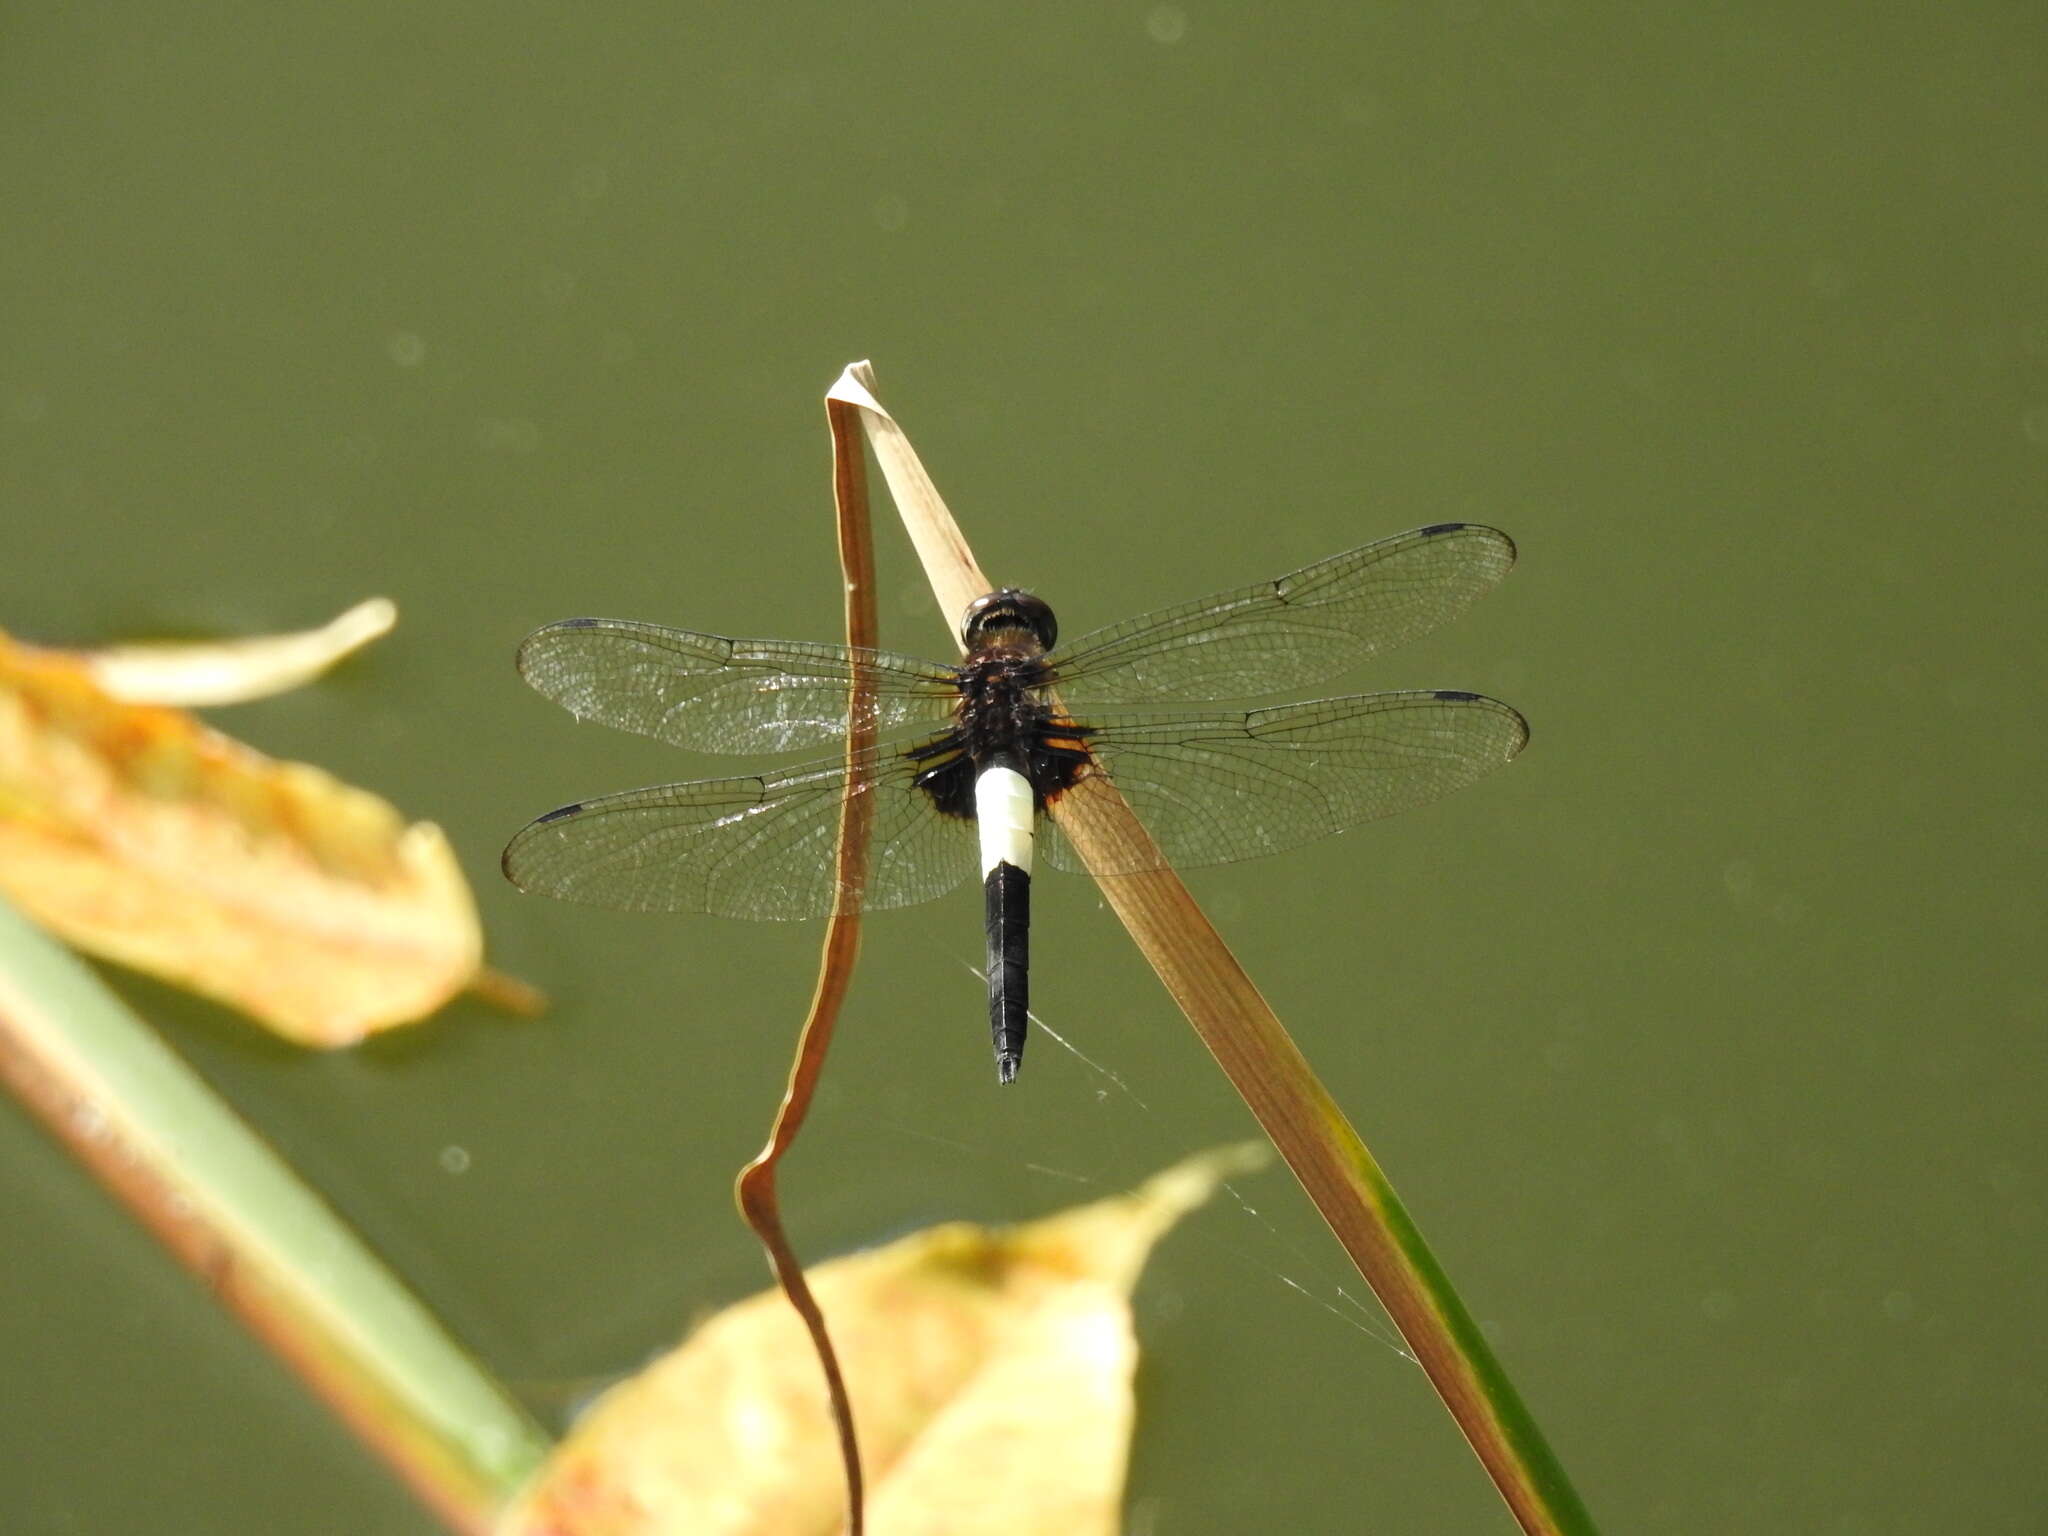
(999, 618)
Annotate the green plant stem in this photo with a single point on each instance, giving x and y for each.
(268, 1247)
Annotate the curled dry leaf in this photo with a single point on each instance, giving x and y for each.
(140, 834)
(990, 1371)
(235, 670)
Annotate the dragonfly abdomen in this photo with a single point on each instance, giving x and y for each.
(1006, 811)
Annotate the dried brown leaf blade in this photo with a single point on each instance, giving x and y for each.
(756, 1189)
(142, 835)
(1253, 1048)
(990, 1370)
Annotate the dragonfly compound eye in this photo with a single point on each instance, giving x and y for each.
(1010, 609)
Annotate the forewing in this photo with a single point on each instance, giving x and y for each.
(1279, 635)
(712, 694)
(759, 847)
(1214, 788)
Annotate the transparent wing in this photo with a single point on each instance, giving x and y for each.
(1280, 635)
(712, 694)
(1213, 788)
(756, 847)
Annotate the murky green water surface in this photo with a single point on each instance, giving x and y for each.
(1705, 1041)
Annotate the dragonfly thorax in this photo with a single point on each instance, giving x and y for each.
(1001, 711)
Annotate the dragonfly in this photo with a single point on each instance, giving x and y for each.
(967, 757)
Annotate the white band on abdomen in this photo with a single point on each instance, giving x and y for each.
(1003, 807)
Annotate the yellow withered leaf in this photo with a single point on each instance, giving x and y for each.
(139, 834)
(230, 671)
(990, 1371)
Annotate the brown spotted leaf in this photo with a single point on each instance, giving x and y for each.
(144, 836)
(990, 1371)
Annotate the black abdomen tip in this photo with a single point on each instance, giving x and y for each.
(1006, 1066)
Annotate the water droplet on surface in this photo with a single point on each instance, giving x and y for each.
(1827, 278)
(1739, 879)
(511, 434)
(1166, 23)
(557, 284)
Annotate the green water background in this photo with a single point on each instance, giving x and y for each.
(1706, 1042)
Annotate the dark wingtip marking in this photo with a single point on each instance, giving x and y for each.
(530, 651)
(558, 813)
(1449, 695)
(1435, 528)
(1006, 1066)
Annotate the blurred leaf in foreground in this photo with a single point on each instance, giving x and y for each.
(139, 834)
(234, 670)
(990, 1370)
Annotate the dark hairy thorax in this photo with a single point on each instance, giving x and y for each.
(1002, 717)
